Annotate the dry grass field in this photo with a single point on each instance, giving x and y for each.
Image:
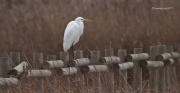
(35, 26)
(29, 26)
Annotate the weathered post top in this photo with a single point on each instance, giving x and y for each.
(4, 66)
(38, 60)
(15, 57)
(64, 56)
(95, 55)
(137, 56)
(109, 52)
(79, 62)
(78, 54)
(122, 53)
(51, 57)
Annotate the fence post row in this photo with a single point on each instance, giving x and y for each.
(79, 76)
(110, 73)
(123, 74)
(96, 81)
(137, 72)
(52, 80)
(64, 56)
(162, 70)
(153, 85)
(4, 68)
(38, 64)
(161, 49)
(15, 58)
(168, 71)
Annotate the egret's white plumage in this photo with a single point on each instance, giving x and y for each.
(73, 32)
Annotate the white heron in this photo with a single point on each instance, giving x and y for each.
(73, 32)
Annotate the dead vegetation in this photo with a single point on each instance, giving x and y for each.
(127, 24)
(29, 26)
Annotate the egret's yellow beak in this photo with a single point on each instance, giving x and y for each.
(87, 20)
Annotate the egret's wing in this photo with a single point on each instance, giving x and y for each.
(70, 35)
(76, 40)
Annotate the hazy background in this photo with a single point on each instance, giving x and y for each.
(29, 26)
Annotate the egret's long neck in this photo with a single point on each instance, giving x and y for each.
(81, 26)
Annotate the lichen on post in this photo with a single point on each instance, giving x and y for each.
(110, 60)
(68, 71)
(163, 56)
(38, 73)
(53, 64)
(95, 68)
(175, 55)
(153, 64)
(79, 62)
(137, 57)
(18, 69)
(124, 66)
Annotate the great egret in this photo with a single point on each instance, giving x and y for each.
(73, 32)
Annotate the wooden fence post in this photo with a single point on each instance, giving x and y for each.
(110, 73)
(123, 74)
(96, 81)
(174, 69)
(4, 68)
(179, 48)
(153, 79)
(54, 80)
(15, 57)
(38, 64)
(169, 70)
(162, 49)
(64, 56)
(137, 73)
(79, 76)
(51, 57)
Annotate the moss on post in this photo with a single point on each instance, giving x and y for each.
(162, 49)
(138, 72)
(15, 58)
(4, 66)
(51, 57)
(79, 76)
(122, 75)
(38, 64)
(96, 81)
(110, 73)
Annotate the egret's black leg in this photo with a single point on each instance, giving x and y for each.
(72, 52)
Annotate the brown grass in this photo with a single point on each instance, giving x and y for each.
(127, 24)
(29, 26)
